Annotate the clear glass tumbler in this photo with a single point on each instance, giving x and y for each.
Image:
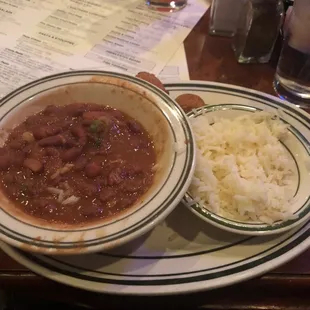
(166, 5)
(292, 79)
(257, 30)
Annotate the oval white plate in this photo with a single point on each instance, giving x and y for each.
(184, 254)
(298, 146)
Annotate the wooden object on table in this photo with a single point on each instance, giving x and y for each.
(211, 59)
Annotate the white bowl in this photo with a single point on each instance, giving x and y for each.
(155, 110)
(298, 146)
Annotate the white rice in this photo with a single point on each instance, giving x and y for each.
(243, 171)
(70, 200)
(54, 190)
(63, 197)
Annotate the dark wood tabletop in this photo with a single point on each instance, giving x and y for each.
(288, 287)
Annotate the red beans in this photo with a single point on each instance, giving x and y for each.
(92, 170)
(51, 151)
(80, 133)
(52, 130)
(80, 163)
(45, 131)
(33, 164)
(84, 151)
(53, 141)
(71, 154)
(17, 144)
(75, 109)
(189, 102)
(39, 133)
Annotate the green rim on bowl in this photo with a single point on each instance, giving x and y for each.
(301, 211)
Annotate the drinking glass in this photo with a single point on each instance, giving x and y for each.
(292, 79)
(166, 5)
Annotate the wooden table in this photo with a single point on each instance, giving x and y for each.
(210, 59)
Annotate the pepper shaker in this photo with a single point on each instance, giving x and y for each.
(257, 30)
(224, 17)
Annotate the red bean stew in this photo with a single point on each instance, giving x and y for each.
(77, 163)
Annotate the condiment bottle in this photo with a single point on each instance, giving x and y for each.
(224, 17)
(257, 30)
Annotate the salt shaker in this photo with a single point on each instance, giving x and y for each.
(257, 30)
(224, 17)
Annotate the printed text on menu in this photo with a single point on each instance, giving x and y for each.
(42, 37)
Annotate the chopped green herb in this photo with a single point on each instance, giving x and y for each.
(98, 142)
(94, 126)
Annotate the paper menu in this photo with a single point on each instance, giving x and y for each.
(42, 37)
(176, 69)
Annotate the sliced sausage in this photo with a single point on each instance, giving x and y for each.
(189, 101)
(151, 78)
